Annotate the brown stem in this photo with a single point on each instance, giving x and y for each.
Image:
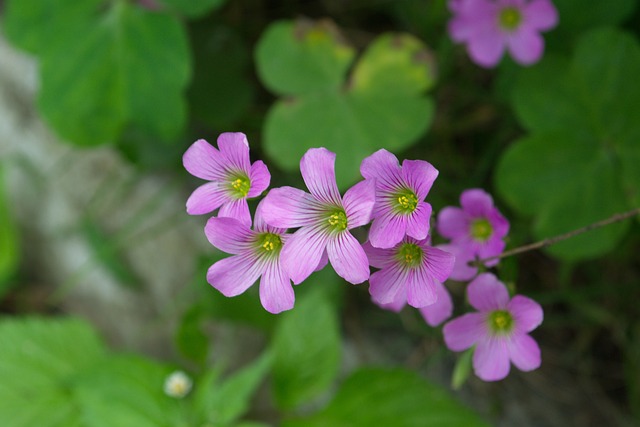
(553, 240)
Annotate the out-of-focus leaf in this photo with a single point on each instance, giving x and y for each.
(390, 397)
(39, 360)
(190, 339)
(381, 106)
(194, 8)
(9, 241)
(462, 369)
(306, 347)
(580, 163)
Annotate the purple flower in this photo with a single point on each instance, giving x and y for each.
(462, 271)
(489, 27)
(256, 253)
(411, 271)
(400, 191)
(324, 219)
(477, 229)
(233, 179)
(499, 330)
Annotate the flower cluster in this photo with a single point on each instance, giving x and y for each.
(407, 268)
(489, 27)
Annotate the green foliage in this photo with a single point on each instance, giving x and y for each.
(193, 8)
(580, 163)
(104, 67)
(9, 240)
(576, 18)
(382, 104)
(190, 338)
(390, 397)
(462, 370)
(306, 347)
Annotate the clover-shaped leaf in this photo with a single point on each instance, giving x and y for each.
(381, 105)
(581, 162)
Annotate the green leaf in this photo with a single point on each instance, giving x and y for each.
(306, 347)
(38, 362)
(580, 163)
(390, 397)
(190, 339)
(225, 403)
(462, 369)
(9, 241)
(381, 106)
(194, 8)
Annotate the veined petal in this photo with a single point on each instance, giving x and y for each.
(464, 331)
(234, 275)
(378, 257)
(418, 221)
(421, 288)
(228, 235)
(261, 226)
(235, 149)
(384, 167)
(439, 311)
(419, 175)
(476, 202)
(524, 352)
(288, 207)
(540, 15)
(487, 293)
(207, 198)
(438, 262)
(348, 258)
(491, 359)
(318, 172)
(302, 252)
(452, 223)
(384, 285)
(204, 161)
(276, 292)
(260, 178)
(238, 209)
(387, 231)
(526, 313)
(358, 203)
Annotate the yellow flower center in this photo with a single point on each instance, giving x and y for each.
(410, 255)
(240, 186)
(405, 201)
(500, 321)
(337, 220)
(510, 18)
(269, 243)
(481, 229)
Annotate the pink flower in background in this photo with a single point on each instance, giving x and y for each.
(324, 218)
(400, 192)
(489, 27)
(476, 229)
(433, 314)
(410, 272)
(499, 330)
(256, 253)
(233, 179)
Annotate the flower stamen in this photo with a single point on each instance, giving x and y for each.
(500, 321)
(338, 220)
(410, 255)
(240, 186)
(481, 230)
(405, 201)
(510, 18)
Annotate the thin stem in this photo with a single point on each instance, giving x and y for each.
(553, 240)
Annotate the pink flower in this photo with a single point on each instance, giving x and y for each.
(411, 272)
(478, 229)
(400, 192)
(256, 253)
(233, 179)
(324, 218)
(499, 330)
(488, 27)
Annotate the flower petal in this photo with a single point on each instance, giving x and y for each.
(490, 248)
(421, 288)
(204, 161)
(464, 331)
(234, 275)
(541, 15)
(526, 312)
(418, 223)
(487, 293)
(378, 257)
(302, 252)
(318, 172)
(387, 231)
(486, 47)
(276, 292)
(491, 359)
(439, 311)
(238, 209)
(229, 235)
(476, 202)
(384, 167)
(438, 262)
(288, 207)
(235, 149)
(461, 271)
(384, 285)
(358, 203)
(261, 226)
(524, 352)
(419, 175)
(453, 223)
(525, 46)
(398, 303)
(260, 178)
(348, 258)
(207, 198)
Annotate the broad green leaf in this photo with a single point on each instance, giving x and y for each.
(381, 105)
(462, 370)
(9, 241)
(38, 362)
(390, 397)
(126, 391)
(193, 8)
(306, 347)
(575, 17)
(190, 339)
(580, 163)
